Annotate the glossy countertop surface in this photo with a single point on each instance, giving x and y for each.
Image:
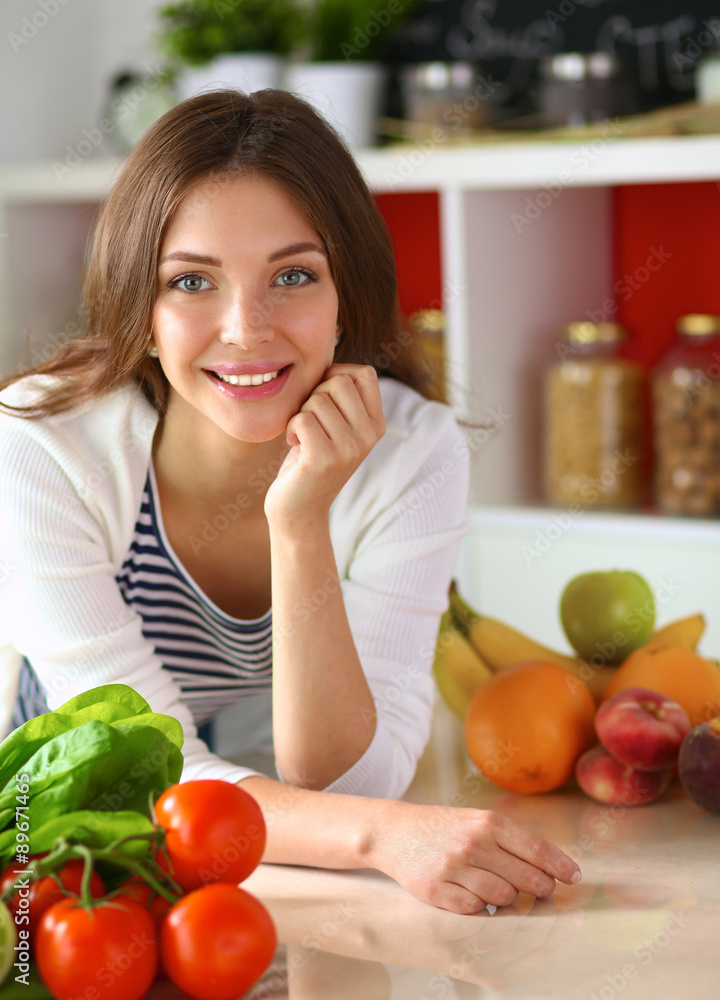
(643, 923)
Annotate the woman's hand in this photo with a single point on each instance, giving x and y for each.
(460, 859)
(335, 429)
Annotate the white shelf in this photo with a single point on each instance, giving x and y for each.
(499, 165)
(593, 163)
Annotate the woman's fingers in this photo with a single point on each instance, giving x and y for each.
(535, 852)
(363, 380)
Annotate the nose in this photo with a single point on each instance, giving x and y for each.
(247, 321)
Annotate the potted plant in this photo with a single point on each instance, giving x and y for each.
(236, 43)
(343, 75)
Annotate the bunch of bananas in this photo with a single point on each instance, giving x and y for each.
(471, 648)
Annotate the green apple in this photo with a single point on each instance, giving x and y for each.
(607, 614)
(8, 940)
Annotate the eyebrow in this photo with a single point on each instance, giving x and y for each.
(288, 251)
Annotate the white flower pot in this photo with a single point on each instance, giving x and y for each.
(245, 71)
(348, 94)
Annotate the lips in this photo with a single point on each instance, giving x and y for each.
(261, 391)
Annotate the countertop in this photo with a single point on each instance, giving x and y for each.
(643, 923)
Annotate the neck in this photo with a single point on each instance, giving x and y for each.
(203, 472)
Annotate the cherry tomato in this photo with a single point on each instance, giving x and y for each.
(217, 941)
(11, 875)
(49, 890)
(140, 892)
(214, 832)
(107, 951)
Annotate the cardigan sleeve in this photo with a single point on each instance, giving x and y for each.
(60, 605)
(395, 591)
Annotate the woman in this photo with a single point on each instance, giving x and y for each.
(233, 484)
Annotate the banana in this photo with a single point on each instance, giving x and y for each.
(500, 645)
(459, 670)
(683, 632)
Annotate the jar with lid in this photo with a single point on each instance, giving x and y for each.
(686, 419)
(428, 325)
(594, 405)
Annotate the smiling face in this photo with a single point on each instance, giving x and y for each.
(244, 289)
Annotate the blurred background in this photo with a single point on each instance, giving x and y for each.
(60, 58)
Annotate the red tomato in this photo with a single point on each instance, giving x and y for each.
(108, 951)
(214, 832)
(47, 891)
(140, 892)
(217, 941)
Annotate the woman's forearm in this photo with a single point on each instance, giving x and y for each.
(323, 709)
(456, 858)
(317, 829)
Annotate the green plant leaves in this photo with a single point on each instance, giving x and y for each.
(90, 769)
(88, 827)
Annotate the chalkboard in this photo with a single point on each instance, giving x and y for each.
(659, 41)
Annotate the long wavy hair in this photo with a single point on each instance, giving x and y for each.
(217, 136)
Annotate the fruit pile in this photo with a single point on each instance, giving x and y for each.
(533, 716)
(115, 873)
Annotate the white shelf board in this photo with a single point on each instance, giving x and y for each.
(434, 167)
(638, 526)
(592, 163)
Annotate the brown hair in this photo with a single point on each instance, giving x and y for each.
(223, 134)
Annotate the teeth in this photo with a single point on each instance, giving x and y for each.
(248, 379)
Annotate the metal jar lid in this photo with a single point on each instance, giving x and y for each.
(698, 324)
(574, 67)
(585, 332)
(441, 75)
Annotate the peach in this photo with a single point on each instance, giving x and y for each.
(642, 728)
(699, 765)
(607, 780)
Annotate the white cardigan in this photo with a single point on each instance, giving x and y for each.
(70, 493)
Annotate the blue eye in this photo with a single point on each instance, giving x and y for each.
(293, 276)
(178, 282)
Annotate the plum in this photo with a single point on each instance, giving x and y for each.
(642, 728)
(605, 779)
(699, 765)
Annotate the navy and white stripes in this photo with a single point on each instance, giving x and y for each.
(214, 658)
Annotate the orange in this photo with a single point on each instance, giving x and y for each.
(685, 676)
(527, 725)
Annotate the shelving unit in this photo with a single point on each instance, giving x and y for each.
(526, 244)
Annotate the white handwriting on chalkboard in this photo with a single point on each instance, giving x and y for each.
(657, 46)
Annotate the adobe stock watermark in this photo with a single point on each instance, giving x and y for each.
(698, 45)
(121, 107)
(32, 25)
(453, 117)
(378, 21)
(616, 982)
(580, 160)
(629, 283)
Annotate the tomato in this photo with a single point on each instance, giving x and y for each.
(214, 831)
(46, 891)
(13, 874)
(607, 614)
(108, 951)
(217, 941)
(140, 892)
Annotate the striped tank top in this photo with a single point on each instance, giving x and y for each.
(215, 659)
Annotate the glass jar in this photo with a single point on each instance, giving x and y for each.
(594, 403)
(686, 419)
(446, 95)
(428, 325)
